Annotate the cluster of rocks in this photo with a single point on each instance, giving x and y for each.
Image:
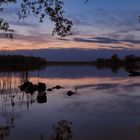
(29, 87)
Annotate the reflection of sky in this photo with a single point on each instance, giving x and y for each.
(104, 105)
(81, 76)
(98, 24)
(71, 72)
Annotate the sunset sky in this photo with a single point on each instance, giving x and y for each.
(101, 27)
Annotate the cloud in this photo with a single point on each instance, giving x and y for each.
(128, 30)
(31, 39)
(117, 47)
(25, 24)
(77, 20)
(106, 40)
(63, 39)
(103, 21)
(96, 40)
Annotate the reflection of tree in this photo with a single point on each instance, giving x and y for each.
(129, 62)
(10, 99)
(11, 107)
(6, 128)
(7, 96)
(62, 131)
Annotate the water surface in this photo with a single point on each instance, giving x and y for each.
(107, 106)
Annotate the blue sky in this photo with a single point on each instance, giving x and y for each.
(103, 4)
(98, 24)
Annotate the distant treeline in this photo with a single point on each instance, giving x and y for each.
(30, 63)
(114, 63)
(129, 62)
(21, 63)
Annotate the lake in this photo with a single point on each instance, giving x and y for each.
(106, 106)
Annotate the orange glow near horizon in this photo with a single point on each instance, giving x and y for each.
(7, 44)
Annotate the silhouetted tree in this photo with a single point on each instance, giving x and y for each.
(115, 60)
(40, 8)
(129, 60)
(4, 26)
(100, 60)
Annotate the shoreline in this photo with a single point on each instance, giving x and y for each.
(31, 63)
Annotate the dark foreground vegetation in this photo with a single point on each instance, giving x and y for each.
(21, 63)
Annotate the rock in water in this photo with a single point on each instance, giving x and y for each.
(28, 87)
(41, 86)
(31, 89)
(70, 93)
(57, 87)
(49, 89)
(25, 85)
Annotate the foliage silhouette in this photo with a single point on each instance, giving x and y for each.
(40, 9)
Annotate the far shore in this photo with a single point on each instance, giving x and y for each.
(30, 63)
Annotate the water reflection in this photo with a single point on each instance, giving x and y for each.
(62, 130)
(6, 128)
(105, 104)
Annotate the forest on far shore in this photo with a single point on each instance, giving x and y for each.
(27, 63)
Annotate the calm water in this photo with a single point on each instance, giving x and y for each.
(107, 106)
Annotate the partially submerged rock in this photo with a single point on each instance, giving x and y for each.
(25, 85)
(41, 86)
(70, 93)
(29, 87)
(57, 87)
(49, 89)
